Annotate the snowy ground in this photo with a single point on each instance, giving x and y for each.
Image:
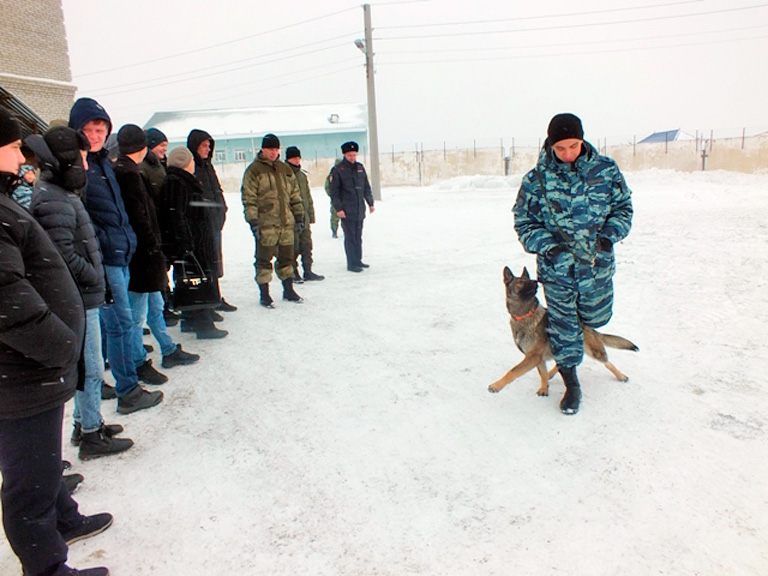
(353, 434)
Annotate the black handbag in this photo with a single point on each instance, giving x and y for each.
(193, 288)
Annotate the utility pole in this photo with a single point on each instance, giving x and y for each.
(366, 47)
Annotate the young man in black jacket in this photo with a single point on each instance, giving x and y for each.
(42, 326)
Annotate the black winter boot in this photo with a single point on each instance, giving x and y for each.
(265, 299)
(572, 397)
(296, 276)
(289, 293)
(98, 444)
(310, 276)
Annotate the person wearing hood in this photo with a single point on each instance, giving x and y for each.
(201, 144)
(42, 327)
(571, 210)
(104, 203)
(23, 192)
(148, 269)
(57, 205)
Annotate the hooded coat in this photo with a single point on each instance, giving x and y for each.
(103, 199)
(214, 194)
(58, 207)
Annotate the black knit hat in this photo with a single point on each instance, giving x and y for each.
(270, 141)
(130, 139)
(563, 127)
(292, 152)
(10, 131)
(155, 137)
(349, 147)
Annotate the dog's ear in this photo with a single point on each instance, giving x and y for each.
(508, 276)
(525, 274)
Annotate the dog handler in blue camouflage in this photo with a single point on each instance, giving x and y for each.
(570, 211)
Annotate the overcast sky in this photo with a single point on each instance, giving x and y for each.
(446, 70)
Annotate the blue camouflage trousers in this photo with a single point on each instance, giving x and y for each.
(583, 295)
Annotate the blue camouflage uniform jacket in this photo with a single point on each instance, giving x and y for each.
(573, 206)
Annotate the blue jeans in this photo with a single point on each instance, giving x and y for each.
(149, 306)
(88, 401)
(121, 331)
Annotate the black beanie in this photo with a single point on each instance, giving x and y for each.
(563, 127)
(270, 141)
(10, 131)
(130, 139)
(155, 137)
(349, 147)
(292, 152)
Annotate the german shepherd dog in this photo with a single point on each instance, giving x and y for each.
(529, 321)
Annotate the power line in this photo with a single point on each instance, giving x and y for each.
(560, 45)
(213, 46)
(524, 57)
(565, 26)
(218, 68)
(540, 17)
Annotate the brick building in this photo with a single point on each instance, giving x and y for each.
(35, 76)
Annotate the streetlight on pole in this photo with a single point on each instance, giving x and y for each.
(366, 47)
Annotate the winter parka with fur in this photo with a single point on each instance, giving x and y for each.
(271, 197)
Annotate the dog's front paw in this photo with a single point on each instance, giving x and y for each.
(542, 392)
(492, 389)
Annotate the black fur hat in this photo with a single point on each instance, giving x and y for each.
(349, 147)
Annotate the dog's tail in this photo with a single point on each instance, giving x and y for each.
(618, 342)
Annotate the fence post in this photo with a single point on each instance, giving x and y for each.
(474, 148)
(711, 139)
(634, 145)
(743, 136)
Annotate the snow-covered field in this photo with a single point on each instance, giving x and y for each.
(353, 434)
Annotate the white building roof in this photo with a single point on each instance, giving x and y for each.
(255, 122)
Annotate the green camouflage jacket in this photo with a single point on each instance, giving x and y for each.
(573, 205)
(270, 194)
(306, 195)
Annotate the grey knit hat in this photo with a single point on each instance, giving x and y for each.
(180, 157)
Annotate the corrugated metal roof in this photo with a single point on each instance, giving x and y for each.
(247, 122)
(30, 122)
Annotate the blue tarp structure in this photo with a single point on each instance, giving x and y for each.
(666, 136)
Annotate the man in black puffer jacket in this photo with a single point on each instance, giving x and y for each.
(57, 206)
(42, 326)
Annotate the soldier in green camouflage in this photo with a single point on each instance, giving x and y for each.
(273, 209)
(303, 240)
(570, 211)
(334, 217)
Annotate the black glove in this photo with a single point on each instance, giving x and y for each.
(254, 229)
(605, 244)
(299, 224)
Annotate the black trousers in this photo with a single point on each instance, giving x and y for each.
(36, 504)
(353, 240)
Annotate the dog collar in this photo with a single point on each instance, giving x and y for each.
(524, 316)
